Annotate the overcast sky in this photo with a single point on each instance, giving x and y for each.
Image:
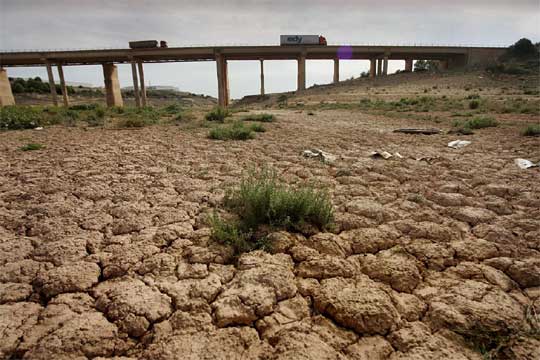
(72, 24)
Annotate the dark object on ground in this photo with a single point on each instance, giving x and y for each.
(418, 131)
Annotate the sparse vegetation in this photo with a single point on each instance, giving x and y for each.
(259, 117)
(474, 104)
(262, 200)
(31, 147)
(531, 130)
(234, 131)
(258, 128)
(19, 117)
(217, 114)
(481, 123)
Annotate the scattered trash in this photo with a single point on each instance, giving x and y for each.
(418, 131)
(38, 128)
(385, 155)
(321, 155)
(458, 144)
(525, 164)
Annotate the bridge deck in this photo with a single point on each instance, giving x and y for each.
(88, 57)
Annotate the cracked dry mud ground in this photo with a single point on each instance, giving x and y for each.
(104, 252)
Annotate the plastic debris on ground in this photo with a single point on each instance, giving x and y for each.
(384, 155)
(38, 128)
(418, 131)
(321, 155)
(525, 164)
(458, 144)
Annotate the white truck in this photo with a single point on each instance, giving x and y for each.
(302, 40)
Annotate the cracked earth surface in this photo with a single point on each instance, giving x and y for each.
(104, 251)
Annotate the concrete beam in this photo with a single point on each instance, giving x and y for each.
(223, 81)
(143, 86)
(63, 87)
(52, 85)
(385, 65)
(301, 82)
(379, 67)
(336, 70)
(6, 95)
(262, 77)
(372, 67)
(135, 84)
(408, 64)
(112, 86)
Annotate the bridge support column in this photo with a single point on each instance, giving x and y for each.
(112, 86)
(223, 81)
(336, 70)
(443, 64)
(385, 65)
(135, 84)
(143, 86)
(372, 67)
(262, 77)
(52, 85)
(408, 65)
(379, 67)
(63, 87)
(301, 82)
(6, 96)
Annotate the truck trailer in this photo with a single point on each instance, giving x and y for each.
(147, 44)
(302, 40)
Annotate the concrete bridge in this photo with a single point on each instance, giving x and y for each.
(448, 57)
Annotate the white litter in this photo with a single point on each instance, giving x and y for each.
(385, 155)
(321, 155)
(458, 144)
(38, 128)
(525, 164)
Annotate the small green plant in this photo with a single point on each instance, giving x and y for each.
(474, 104)
(481, 122)
(234, 131)
(31, 146)
(259, 117)
(84, 107)
(258, 128)
(217, 114)
(262, 201)
(531, 130)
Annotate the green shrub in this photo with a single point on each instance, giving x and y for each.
(19, 117)
(259, 117)
(474, 104)
(84, 107)
(282, 98)
(31, 146)
(235, 131)
(217, 114)
(531, 130)
(481, 122)
(133, 122)
(173, 109)
(262, 201)
(258, 128)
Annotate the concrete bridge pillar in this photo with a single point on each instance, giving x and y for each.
(52, 85)
(301, 82)
(143, 86)
(63, 87)
(372, 67)
(379, 67)
(135, 84)
(262, 77)
(385, 65)
(336, 70)
(6, 95)
(408, 65)
(112, 86)
(443, 65)
(223, 81)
